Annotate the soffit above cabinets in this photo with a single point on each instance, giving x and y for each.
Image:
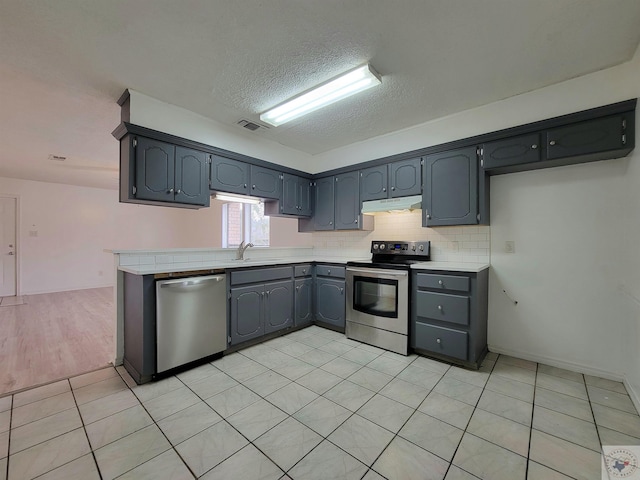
(230, 61)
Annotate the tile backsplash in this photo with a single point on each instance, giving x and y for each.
(448, 244)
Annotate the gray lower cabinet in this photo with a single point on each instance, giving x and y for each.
(303, 301)
(261, 302)
(451, 189)
(330, 300)
(449, 315)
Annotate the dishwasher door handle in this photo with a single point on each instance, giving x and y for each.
(179, 283)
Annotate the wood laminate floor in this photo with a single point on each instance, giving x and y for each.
(55, 335)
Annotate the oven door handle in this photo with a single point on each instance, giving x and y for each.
(371, 271)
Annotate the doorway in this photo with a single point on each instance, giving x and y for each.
(8, 246)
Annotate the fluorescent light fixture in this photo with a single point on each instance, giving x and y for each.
(354, 81)
(240, 198)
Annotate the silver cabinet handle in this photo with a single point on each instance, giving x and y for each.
(341, 290)
(438, 340)
(439, 282)
(393, 188)
(178, 191)
(534, 146)
(356, 221)
(304, 270)
(328, 272)
(428, 216)
(253, 187)
(440, 307)
(245, 185)
(330, 223)
(298, 288)
(384, 189)
(552, 142)
(170, 190)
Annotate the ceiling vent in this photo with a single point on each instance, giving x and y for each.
(251, 125)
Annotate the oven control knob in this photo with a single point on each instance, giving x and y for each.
(421, 248)
(413, 247)
(375, 246)
(382, 246)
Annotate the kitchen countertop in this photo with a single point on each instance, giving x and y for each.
(252, 262)
(259, 262)
(451, 266)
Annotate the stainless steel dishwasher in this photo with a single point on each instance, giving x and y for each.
(191, 319)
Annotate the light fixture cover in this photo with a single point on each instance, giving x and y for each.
(347, 84)
(225, 197)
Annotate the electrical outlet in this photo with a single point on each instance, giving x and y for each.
(510, 246)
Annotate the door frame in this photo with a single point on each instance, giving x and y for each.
(17, 250)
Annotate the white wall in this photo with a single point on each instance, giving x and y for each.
(576, 270)
(75, 225)
(151, 113)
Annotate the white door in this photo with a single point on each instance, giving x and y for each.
(7, 247)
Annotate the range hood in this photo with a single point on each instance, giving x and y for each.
(393, 204)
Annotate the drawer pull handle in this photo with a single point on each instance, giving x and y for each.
(438, 341)
(342, 290)
(534, 146)
(304, 270)
(440, 307)
(552, 142)
(439, 282)
(328, 272)
(298, 288)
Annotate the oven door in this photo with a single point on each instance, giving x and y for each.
(378, 298)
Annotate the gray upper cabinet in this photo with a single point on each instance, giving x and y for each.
(397, 179)
(323, 216)
(191, 175)
(347, 201)
(155, 168)
(405, 178)
(296, 196)
(590, 137)
(265, 183)
(229, 175)
(451, 188)
(374, 183)
(511, 151)
(166, 173)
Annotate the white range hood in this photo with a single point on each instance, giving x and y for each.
(393, 204)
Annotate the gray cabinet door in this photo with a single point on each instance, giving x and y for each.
(229, 175)
(330, 301)
(278, 306)
(323, 216)
(347, 201)
(511, 151)
(405, 178)
(373, 183)
(154, 170)
(247, 319)
(303, 301)
(290, 185)
(265, 183)
(304, 197)
(583, 138)
(191, 177)
(451, 188)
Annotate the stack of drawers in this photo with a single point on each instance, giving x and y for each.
(449, 315)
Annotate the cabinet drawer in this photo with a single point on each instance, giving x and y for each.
(443, 307)
(443, 282)
(444, 341)
(330, 271)
(303, 270)
(263, 275)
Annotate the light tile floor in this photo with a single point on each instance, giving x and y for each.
(314, 405)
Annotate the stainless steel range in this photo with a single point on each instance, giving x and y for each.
(378, 294)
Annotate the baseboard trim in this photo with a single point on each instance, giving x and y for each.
(556, 362)
(67, 289)
(633, 393)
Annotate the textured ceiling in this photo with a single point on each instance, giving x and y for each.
(64, 63)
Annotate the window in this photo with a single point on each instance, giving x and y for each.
(243, 221)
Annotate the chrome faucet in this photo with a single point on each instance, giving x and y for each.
(241, 248)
